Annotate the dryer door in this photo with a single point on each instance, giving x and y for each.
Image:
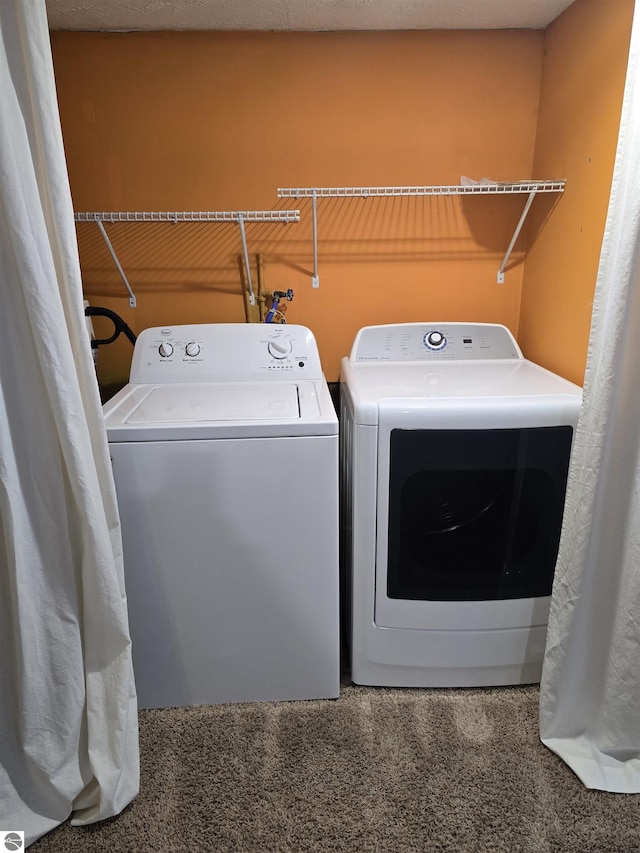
(468, 519)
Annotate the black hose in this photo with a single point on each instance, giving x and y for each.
(120, 327)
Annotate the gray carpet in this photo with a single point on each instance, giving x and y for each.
(376, 770)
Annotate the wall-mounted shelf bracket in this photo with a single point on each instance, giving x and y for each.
(132, 298)
(237, 216)
(468, 188)
(247, 265)
(500, 276)
(315, 278)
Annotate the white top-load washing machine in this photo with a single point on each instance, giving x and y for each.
(225, 455)
(454, 459)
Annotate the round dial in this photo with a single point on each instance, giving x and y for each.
(435, 340)
(192, 349)
(279, 347)
(165, 349)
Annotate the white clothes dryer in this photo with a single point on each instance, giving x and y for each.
(454, 460)
(225, 456)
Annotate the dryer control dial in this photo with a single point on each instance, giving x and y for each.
(435, 340)
(279, 347)
(165, 349)
(192, 349)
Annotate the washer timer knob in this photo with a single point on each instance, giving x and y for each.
(192, 349)
(435, 340)
(165, 349)
(279, 348)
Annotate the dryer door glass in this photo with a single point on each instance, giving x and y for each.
(475, 515)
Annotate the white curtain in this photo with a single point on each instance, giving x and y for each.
(590, 691)
(68, 711)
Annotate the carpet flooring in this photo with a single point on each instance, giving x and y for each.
(461, 771)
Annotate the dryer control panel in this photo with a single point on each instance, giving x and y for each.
(404, 342)
(223, 352)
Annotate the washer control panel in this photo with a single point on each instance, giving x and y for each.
(404, 342)
(221, 352)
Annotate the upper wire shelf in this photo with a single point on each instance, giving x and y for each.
(465, 187)
(489, 188)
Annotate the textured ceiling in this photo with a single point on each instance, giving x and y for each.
(301, 14)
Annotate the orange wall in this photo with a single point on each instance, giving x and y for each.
(584, 70)
(219, 121)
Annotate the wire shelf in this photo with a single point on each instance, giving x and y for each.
(437, 190)
(239, 217)
(192, 216)
(466, 187)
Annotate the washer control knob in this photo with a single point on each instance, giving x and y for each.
(279, 347)
(192, 349)
(436, 340)
(165, 349)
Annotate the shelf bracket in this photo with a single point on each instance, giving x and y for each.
(247, 267)
(315, 279)
(516, 233)
(132, 298)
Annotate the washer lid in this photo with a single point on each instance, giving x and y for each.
(173, 404)
(202, 410)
